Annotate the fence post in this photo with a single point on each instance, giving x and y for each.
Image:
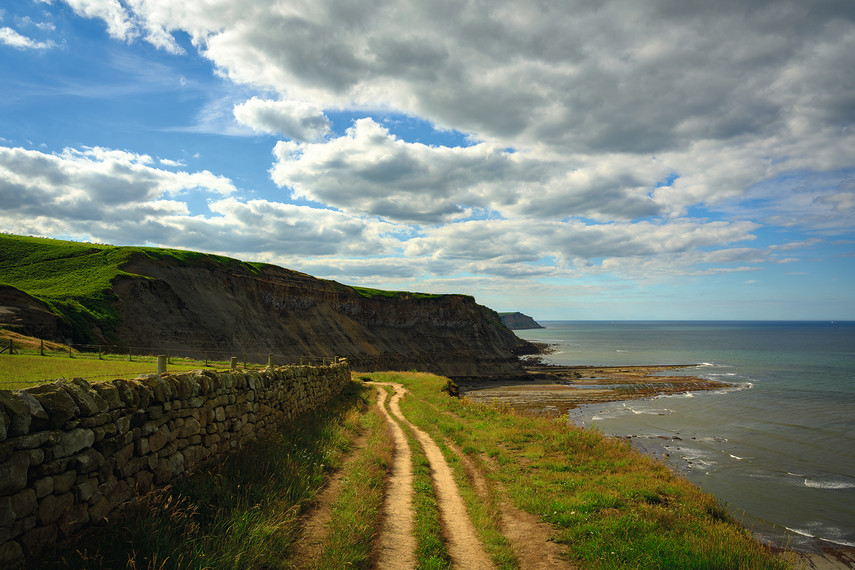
(206, 358)
(42, 347)
(270, 360)
(99, 352)
(233, 363)
(11, 347)
(69, 352)
(244, 360)
(161, 363)
(129, 355)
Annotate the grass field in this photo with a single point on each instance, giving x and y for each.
(20, 371)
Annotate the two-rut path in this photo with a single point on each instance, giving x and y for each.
(529, 538)
(395, 547)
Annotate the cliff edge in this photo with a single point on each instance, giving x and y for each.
(185, 302)
(519, 321)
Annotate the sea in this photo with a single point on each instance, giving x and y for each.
(777, 449)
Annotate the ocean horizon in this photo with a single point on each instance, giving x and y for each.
(775, 449)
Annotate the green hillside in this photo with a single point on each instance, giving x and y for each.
(75, 279)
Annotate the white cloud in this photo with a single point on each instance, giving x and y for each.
(298, 120)
(94, 184)
(116, 196)
(370, 171)
(11, 38)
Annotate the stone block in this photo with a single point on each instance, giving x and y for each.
(53, 506)
(63, 482)
(13, 473)
(123, 424)
(7, 513)
(56, 402)
(168, 449)
(89, 461)
(158, 439)
(11, 555)
(190, 427)
(122, 494)
(110, 394)
(124, 455)
(43, 487)
(24, 503)
(17, 411)
(98, 419)
(125, 392)
(87, 399)
(160, 391)
(23, 525)
(87, 489)
(100, 509)
(73, 441)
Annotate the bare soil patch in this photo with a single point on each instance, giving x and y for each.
(396, 546)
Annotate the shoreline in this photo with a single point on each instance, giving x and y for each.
(555, 390)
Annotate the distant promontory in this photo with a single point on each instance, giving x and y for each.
(519, 321)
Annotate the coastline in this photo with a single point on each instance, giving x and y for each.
(555, 390)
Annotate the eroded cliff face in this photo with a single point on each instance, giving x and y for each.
(191, 307)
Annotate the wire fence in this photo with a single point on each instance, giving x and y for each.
(100, 361)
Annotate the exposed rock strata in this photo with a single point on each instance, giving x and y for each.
(285, 312)
(519, 321)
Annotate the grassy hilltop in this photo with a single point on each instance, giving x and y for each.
(75, 280)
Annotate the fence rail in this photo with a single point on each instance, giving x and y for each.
(158, 357)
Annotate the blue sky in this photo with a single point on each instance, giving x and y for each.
(631, 159)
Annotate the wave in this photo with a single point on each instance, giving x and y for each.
(814, 484)
(812, 534)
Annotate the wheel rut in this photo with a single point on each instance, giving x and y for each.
(464, 547)
(396, 546)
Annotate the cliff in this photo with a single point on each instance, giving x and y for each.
(186, 302)
(519, 321)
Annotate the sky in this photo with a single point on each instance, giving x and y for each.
(569, 159)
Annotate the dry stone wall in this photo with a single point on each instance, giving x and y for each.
(72, 452)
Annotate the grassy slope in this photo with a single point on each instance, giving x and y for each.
(611, 506)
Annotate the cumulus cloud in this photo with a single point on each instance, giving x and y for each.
(370, 171)
(500, 246)
(298, 120)
(10, 37)
(617, 76)
(125, 24)
(116, 196)
(95, 184)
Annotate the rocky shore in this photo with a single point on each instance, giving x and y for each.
(554, 390)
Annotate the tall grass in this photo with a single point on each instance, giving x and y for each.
(241, 513)
(355, 513)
